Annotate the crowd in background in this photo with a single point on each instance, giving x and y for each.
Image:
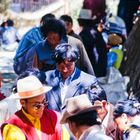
(57, 78)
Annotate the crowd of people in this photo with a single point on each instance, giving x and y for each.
(57, 89)
(9, 36)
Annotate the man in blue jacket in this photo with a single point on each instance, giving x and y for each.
(67, 80)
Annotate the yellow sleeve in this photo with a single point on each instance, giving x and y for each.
(65, 133)
(12, 132)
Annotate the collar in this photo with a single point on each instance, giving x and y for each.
(36, 123)
(31, 118)
(69, 79)
(91, 129)
(71, 32)
(117, 47)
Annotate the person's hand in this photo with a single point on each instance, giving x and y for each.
(100, 27)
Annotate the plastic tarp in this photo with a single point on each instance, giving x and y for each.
(115, 85)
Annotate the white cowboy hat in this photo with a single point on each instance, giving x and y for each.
(86, 14)
(29, 87)
(77, 105)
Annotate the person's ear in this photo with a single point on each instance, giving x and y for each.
(23, 103)
(125, 118)
(71, 125)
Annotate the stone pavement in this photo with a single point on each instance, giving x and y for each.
(6, 69)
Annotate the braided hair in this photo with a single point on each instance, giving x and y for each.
(130, 107)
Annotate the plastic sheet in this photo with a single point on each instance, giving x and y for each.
(115, 85)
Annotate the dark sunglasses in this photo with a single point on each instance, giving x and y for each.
(40, 105)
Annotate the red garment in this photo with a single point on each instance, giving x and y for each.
(50, 127)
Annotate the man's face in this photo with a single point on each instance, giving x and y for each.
(34, 106)
(53, 39)
(66, 68)
(68, 26)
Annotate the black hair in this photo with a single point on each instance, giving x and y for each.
(10, 22)
(136, 94)
(65, 51)
(66, 18)
(130, 107)
(86, 118)
(95, 92)
(43, 22)
(34, 71)
(54, 25)
(47, 17)
(3, 24)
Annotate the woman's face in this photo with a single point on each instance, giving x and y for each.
(53, 39)
(122, 122)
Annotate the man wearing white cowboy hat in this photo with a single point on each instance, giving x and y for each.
(34, 121)
(93, 41)
(81, 117)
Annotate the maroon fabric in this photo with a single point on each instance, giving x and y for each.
(2, 96)
(50, 127)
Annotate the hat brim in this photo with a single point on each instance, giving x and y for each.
(45, 89)
(86, 19)
(66, 114)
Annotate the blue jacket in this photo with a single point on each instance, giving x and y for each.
(79, 81)
(30, 39)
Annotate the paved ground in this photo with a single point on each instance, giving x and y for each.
(6, 69)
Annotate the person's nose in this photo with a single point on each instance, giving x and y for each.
(65, 69)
